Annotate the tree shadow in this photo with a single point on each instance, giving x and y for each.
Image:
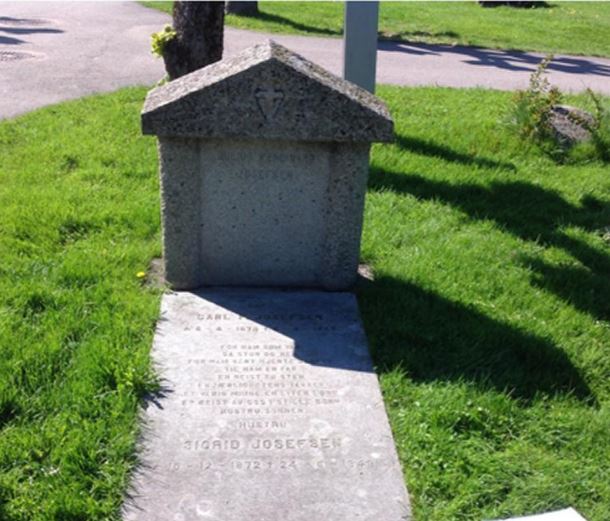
(9, 408)
(434, 339)
(513, 59)
(431, 149)
(429, 336)
(583, 288)
(29, 30)
(5, 494)
(531, 213)
(320, 324)
(394, 44)
(21, 21)
(268, 17)
(6, 40)
(522, 5)
(22, 26)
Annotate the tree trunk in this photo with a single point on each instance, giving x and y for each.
(242, 8)
(199, 30)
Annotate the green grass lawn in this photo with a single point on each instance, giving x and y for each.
(562, 27)
(489, 317)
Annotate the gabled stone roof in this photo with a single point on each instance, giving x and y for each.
(266, 92)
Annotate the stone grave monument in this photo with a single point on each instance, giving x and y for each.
(270, 408)
(264, 162)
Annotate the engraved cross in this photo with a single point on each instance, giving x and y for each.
(269, 101)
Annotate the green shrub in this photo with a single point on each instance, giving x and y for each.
(600, 130)
(161, 38)
(532, 108)
(532, 112)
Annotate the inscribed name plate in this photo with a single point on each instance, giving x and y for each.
(270, 411)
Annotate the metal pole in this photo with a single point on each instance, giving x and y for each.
(360, 43)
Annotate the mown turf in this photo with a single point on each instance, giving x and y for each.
(488, 317)
(560, 27)
(79, 218)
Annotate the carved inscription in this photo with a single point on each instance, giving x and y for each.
(255, 381)
(263, 444)
(267, 393)
(248, 385)
(259, 379)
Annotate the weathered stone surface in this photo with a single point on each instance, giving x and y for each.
(264, 213)
(264, 164)
(571, 124)
(266, 92)
(270, 411)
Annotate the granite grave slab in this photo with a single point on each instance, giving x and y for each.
(270, 410)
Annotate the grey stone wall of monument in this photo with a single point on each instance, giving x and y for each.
(264, 164)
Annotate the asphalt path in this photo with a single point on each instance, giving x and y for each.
(50, 52)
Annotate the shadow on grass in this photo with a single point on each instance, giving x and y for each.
(581, 287)
(282, 20)
(434, 339)
(533, 214)
(5, 494)
(9, 408)
(431, 149)
(406, 36)
(522, 5)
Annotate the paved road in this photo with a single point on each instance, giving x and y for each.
(51, 52)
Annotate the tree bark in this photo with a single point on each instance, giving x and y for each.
(242, 8)
(199, 30)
